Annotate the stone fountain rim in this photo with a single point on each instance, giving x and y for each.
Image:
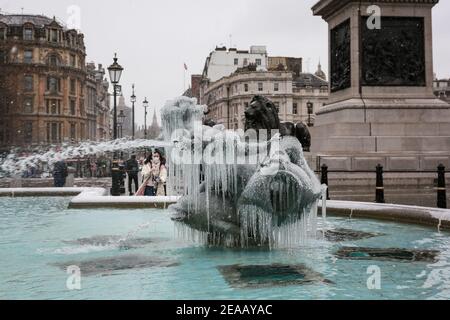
(94, 198)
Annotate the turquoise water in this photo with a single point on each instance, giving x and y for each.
(135, 254)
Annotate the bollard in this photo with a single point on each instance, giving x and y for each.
(441, 190)
(379, 197)
(70, 180)
(324, 178)
(116, 175)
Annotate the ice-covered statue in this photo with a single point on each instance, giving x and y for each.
(239, 188)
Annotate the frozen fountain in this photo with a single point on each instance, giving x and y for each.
(240, 189)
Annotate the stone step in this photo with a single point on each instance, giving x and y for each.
(352, 129)
(373, 144)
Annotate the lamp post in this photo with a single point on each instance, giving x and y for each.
(120, 120)
(310, 112)
(115, 72)
(133, 100)
(145, 105)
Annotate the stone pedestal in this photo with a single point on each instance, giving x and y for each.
(381, 94)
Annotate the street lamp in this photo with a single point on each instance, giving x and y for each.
(310, 112)
(121, 119)
(145, 105)
(133, 100)
(115, 72)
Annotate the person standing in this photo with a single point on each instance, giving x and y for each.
(60, 174)
(154, 173)
(132, 168)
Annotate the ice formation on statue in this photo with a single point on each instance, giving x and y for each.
(239, 188)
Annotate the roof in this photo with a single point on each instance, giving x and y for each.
(20, 19)
(309, 79)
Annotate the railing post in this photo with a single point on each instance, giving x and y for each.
(324, 178)
(380, 185)
(441, 190)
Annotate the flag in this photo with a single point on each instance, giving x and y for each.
(185, 67)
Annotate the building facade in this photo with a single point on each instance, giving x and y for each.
(222, 62)
(98, 103)
(44, 83)
(281, 80)
(441, 89)
(227, 98)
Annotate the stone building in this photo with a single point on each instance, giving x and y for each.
(222, 62)
(44, 83)
(98, 103)
(283, 82)
(194, 89)
(441, 89)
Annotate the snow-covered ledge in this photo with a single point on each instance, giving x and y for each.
(50, 192)
(91, 197)
(438, 218)
(92, 200)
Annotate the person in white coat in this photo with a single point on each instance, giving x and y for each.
(154, 174)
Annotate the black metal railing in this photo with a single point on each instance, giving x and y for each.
(379, 188)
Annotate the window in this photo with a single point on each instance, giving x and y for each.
(260, 86)
(72, 107)
(28, 34)
(28, 83)
(28, 105)
(73, 62)
(246, 87)
(73, 131)
(28, 132)
(295, 108)
(82, 131)
(54, 132)
(54, 35)
(28, 56)
(245, 61)
(73, 85)
(53, 84)
(276, 86)
(2, 33)
(258, 62)
(82, 108)
(236, 61)
(53, 106)
(53, 60)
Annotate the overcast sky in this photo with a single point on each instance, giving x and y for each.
(153, 39)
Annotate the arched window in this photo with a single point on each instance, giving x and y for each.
(53, 60)
(53, 84)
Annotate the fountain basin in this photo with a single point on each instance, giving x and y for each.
(134, 254)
